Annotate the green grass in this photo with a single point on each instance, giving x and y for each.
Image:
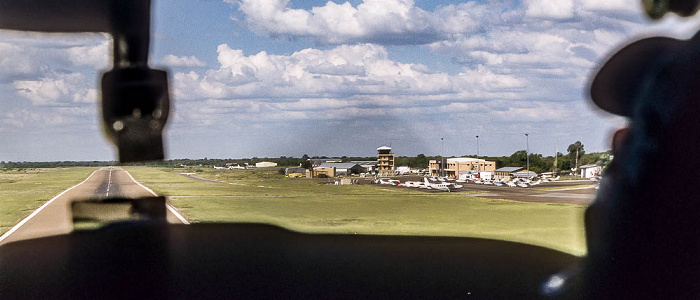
(24, 190)
(306, 205)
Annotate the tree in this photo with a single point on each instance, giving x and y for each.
(421, 161)
(305, 162)
(575, 152)
(518, 158)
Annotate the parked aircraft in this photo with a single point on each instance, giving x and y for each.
(387, 181)
(437, 186)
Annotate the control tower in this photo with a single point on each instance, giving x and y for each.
(385, 161)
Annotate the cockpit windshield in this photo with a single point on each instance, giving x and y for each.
(379, 117)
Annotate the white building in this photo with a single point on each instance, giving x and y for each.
(402, 170)
(265, 164)
(589, 171)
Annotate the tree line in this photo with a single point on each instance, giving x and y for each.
(576, 156)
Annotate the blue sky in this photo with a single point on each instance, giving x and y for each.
(275, 77)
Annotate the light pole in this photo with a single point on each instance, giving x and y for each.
(577, 147)
(527, 154)
(478, 165)
(442, 157)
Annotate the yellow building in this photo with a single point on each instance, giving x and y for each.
(322, 172)
(385, 161)
(457, 165)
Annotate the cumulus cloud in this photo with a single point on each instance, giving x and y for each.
(341, 84)
(375, 21)
(94, 55)
(538, 43)
(57, 89)
(402, 22)
(339, 72)
(17, 62)
(30, 56)
(560, 9)
(183, 61)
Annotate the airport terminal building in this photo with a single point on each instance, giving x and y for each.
(455, 166)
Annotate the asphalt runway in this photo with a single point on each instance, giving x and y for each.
(54, 217)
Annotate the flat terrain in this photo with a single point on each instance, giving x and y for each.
(24, 190)
(576, 192)
(53, 217)
(549, 215)
(550, 218)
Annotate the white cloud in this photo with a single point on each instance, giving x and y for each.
(559, 9)
(183, 61)
(23, 118)
(16, 62)
(20, 118)
(94, 55)
(345, 83)
(402, 22)
(376, 21)
(342, 71)
(619, 6)
(57, 89)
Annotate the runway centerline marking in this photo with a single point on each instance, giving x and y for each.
(109, 181)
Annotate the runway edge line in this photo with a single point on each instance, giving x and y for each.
(170, 207)
(25, 220)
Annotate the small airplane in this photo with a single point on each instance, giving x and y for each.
(437, 186)
(412, 184)
(387, 181)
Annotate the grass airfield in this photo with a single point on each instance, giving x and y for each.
(309, 206)
(265, 196)
(23, 190)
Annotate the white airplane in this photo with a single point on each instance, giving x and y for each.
(511, 184)
(219, 168)
(437, 186)
(387, 181)
(413, 184)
